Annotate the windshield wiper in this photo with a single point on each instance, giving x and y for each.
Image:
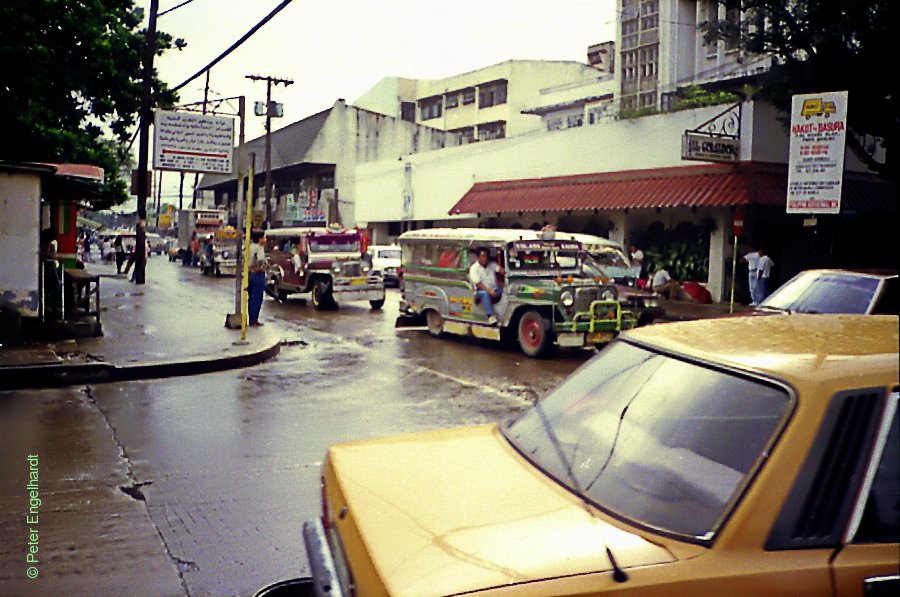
(619, 575)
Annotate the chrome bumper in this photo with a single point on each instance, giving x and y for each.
(326, 582)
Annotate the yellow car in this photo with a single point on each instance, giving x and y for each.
(740, 456)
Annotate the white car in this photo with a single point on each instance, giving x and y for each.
(386, 259)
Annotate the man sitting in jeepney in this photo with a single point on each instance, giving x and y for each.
(487, 278)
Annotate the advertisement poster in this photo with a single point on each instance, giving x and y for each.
(190, 142)
(816, 167)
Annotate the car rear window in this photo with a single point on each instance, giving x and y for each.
(825, 292)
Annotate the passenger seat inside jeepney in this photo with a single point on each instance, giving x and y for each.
(496, 255)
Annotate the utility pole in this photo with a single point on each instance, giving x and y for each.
(270, 111)
(140, 258)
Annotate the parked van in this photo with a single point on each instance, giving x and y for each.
(386, 259)
(547, 299)
(325, 262)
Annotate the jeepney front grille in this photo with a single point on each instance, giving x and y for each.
(351, 269)
(585, 296)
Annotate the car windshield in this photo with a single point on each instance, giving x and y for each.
(334, 243)
(824, 292)
(611, 266)
(658, 441)
(388, 254)
(543, 259)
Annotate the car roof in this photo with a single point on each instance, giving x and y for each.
(498, 235)
(278, 232)
(875, 272)
(799, 349)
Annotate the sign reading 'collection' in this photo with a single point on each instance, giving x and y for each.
(190, 142)
(816, 168)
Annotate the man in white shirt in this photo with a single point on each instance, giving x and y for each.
(752, 261)
(763, 272)
(256, 284)
(637, 261)
(486, 277)
(664, 284)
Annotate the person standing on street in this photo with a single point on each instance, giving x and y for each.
(637, 261)
(764, 271)
(752, 261)
(119, 248)
(256, 283)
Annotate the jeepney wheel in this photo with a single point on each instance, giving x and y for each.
(534, 334)
(435, 323)
(377, 304)
(321, 295)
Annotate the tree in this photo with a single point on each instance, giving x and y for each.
(825, 45)
(70, 81)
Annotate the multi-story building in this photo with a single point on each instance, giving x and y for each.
(662, 48)
(480, 105)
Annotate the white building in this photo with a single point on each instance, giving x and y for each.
(480, 105)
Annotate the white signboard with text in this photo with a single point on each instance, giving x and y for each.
(816, 168)
(190, 142)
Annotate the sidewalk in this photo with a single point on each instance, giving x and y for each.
(151, 330)
(690, 310)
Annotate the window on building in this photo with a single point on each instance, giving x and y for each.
(712, 14)
(452, 100)
(733, 18)
(492, 94)
(554, 124)
(468, 96)
(573, 120)
(492, 130)
(430, 107)
(408, 111)
(596, 114)
(466, 133)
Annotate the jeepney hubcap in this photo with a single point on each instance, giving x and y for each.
(532, 331)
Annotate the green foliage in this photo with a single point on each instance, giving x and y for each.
(632, 113)
(698, 97)
(685, 249)
(70, 81)
(826, 45)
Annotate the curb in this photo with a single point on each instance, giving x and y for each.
(58, 375)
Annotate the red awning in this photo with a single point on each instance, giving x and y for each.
(706, 185)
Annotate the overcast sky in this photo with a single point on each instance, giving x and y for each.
(340, 48)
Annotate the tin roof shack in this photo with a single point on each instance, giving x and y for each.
(39, 203)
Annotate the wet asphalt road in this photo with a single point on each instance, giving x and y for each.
(220, 471)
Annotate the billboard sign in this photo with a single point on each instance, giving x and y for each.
(816, 167)
(190, 142)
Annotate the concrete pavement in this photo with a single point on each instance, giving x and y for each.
(153, 330)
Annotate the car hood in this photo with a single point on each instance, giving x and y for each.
(454, 511)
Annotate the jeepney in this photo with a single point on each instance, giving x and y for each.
(547, 299)
(222, 260)
(607, 259)
(325, 262)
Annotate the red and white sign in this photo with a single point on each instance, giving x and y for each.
(190, 142)
(816, 168)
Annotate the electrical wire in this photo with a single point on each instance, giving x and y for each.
(185, 3)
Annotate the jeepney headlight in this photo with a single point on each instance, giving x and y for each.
(567, 298)
(651, 303)
(365, 269)
(224, 254)
(337, 269)
(608, 295)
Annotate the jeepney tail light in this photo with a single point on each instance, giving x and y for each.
(326, 519)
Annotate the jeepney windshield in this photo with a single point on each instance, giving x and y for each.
(612, 260)
(334, 243)
(543, 258)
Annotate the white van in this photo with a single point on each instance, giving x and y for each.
(386, 259)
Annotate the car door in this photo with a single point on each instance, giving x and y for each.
(869, 561)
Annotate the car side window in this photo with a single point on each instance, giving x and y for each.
(880, 521)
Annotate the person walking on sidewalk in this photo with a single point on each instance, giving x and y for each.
(752, 261)
(764, 272)
(120, 253)
(256, 284)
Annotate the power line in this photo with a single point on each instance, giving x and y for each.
(235, 45)
(168, 10)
